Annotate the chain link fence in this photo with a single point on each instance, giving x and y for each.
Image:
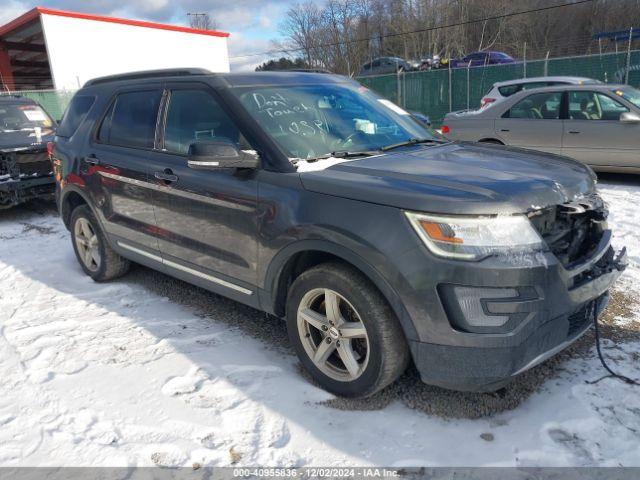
(437, 92)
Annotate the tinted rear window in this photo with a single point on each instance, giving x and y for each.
(75, 114)
(131, 120)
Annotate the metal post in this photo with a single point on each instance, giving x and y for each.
(450, 93)
(524, 60)
(546, 64)
(404, 90)
(626, 76)
(468, 84)
(398, 86)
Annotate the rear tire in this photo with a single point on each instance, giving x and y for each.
(344, 332)
(95, 256)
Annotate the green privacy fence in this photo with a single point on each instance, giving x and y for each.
(437, 92)
(53, 101)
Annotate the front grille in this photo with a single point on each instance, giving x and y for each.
(572, 230)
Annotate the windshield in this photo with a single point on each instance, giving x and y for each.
(630, 94)
(23, 117)
(317, 120)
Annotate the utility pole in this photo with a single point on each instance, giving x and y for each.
(626, 77)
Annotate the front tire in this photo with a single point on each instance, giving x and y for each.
(344, 332)
(95, 256)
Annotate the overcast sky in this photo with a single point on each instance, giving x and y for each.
(252, 23)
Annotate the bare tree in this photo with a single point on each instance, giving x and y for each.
(201, 21)
(341, 35)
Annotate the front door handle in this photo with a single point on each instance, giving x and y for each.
(166, 176)
(92, 160)
(574, 132)
(505, 130)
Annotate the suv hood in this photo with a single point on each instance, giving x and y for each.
(22, 139)
(457, 178)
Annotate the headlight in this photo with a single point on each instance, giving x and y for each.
(474, 238)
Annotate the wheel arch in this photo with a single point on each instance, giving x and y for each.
(69, 200)
(305, 254)
(72, 197)
(493, 140)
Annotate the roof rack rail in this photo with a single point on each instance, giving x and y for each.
(168, 72)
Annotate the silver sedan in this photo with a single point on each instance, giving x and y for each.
(595, 124)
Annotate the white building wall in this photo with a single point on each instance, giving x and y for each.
(80, 49)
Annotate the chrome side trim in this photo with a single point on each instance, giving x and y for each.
(191, 271)
(177, 192)
(204, 163)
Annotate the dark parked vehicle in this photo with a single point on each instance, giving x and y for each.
(309, 197)
(384, 66)
(25, 169)
(480, 59)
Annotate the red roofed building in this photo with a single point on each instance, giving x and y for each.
(46, 48)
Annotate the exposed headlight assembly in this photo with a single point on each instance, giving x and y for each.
(475, 238)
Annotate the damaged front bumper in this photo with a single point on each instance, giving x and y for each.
(552, 307)
(25, 174)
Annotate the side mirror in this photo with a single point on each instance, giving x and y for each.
(216, 155)
(629, 117)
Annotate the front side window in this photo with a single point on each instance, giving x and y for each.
(539, 106)
(585, 105)
(131, 120)
(195, 115)
(308, 121)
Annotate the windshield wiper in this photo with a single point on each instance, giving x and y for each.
(344, 154)
(412, 141)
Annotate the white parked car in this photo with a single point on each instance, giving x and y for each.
(502, 90)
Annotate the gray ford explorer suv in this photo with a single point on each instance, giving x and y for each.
(311, 198)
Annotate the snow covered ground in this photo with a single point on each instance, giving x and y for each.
(118, 374)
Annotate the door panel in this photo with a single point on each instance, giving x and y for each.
(533, 122)
(115, 167)
(118, 183)
(205, 218)
(594, 135)
(538, 134)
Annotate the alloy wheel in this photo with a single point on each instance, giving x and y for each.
(87, 244)
(333, 335)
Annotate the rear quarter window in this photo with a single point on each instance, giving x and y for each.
(131, 120)
(75, 114)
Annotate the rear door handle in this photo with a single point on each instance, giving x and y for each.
(92, 160)
(167, 176)
(574, 132)
(505, 130)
